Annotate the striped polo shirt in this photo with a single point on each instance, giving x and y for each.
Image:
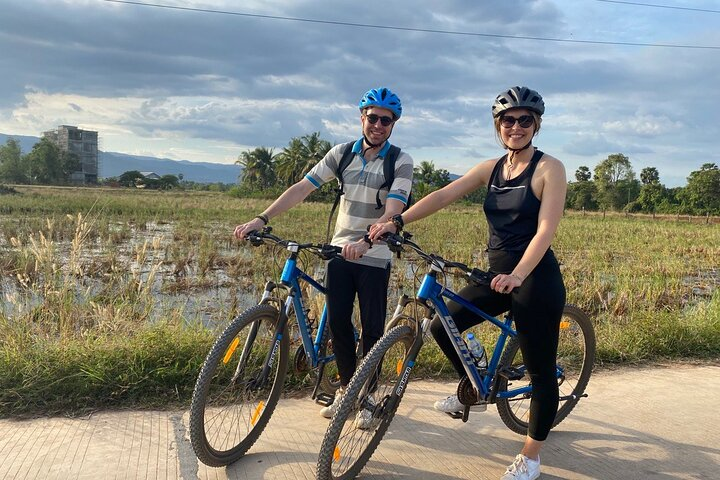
(358, 209)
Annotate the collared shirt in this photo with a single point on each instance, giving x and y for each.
(357, 208)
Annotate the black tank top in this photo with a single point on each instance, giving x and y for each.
(512, 208)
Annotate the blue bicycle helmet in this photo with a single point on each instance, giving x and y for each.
(381, 97)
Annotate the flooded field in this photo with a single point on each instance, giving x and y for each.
(145, 257)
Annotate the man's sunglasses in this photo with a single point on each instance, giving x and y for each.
(525, 121)
(385, 121)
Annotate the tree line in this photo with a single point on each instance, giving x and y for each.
(46, 164)
(612, 185)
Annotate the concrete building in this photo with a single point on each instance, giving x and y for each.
(84, 144)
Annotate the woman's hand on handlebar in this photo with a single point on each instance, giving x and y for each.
(377, 230)
(242, 231)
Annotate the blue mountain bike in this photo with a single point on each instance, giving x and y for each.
(240, 383)
(375, 391)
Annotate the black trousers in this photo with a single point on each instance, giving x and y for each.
(537, 307)
(345, 281)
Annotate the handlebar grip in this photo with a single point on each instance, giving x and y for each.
(480, 277)
(255, 238)
(328, 252)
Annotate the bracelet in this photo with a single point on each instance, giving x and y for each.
(264, 218)
(398, 221)
(517, 277)
(366, 238)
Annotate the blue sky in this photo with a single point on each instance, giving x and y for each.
(202, 86)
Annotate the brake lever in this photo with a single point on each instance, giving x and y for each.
(394, 242)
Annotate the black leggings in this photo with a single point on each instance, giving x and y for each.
(344, 281)
(537, 307)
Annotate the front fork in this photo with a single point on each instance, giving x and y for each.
(266, 298)
(419, 329)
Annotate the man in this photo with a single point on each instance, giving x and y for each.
(364, 269)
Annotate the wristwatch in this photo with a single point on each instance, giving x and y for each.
(398, 221)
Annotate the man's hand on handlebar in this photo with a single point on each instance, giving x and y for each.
(355, 250)
(242, 231)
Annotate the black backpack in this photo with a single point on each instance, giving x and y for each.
(388, 173)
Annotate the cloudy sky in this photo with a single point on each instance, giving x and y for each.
(206, 80)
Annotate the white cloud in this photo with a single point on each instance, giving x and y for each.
(205, 86)
(643, 125)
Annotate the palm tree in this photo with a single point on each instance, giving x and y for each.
(300, 156)
(258, 167)
(424, 172)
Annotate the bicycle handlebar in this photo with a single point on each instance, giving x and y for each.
(322, 250)
(396, 242)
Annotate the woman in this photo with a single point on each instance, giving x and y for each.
(524, 204)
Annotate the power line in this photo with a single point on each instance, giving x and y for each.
(654, 5)
(412, 29)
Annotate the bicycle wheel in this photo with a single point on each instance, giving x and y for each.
(576, 354)
(231, 404)
(351, 439)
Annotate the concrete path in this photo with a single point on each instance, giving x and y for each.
(650, 423)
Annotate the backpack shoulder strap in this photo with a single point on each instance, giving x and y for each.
(345, 159)
(388, 172)
(347, 156)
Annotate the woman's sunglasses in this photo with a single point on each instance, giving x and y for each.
(385, 121)
(524, 121)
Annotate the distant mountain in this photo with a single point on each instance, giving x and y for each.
(26, 143)
(113, 164)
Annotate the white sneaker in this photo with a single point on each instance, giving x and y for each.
(364, 419)
(451, 404)
(330, 410)
(522, 469)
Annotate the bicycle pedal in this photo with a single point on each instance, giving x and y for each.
(455, 415)
(511, 373)
(324, 399)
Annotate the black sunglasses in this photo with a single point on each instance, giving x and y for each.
(524, 121)
(372, 118)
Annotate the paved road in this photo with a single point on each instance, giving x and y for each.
(655, 423)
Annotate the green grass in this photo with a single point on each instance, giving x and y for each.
(155, 367)
(81, 326)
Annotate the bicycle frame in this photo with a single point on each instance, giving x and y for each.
(431, 290)
(290, 280)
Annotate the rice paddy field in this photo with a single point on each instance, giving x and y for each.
(112, 297)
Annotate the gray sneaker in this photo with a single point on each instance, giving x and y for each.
(330, 410)
(451, 404)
